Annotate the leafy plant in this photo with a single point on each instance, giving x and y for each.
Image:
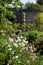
(33, 35)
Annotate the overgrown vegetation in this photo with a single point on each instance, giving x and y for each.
(19, 44)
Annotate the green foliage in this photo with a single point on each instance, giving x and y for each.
(28, 26)
(39, 19)
(13, 51)
(38, 60)
(7, 17)
(16, 26)
(17, 3)
(6, 1)
(33, 35)
(25, 34)
(24, 26)
(10, 50)
(40, 2)
(2, 58)
(32, 6)
(10, 15)
(41, 27)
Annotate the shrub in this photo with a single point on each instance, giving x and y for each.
(33, 35)
(24, 34)
(10, 50)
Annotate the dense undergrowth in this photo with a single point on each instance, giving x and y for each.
(18, 51)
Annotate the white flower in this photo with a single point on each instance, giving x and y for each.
(10, 49)
(15, 44)
(3, 34)
(16, 41)
(16, 57)
(7, 64)
(21, 37)
(19, 61)
(10, 39)
(26, 42)
(19, 40)
(23, 44)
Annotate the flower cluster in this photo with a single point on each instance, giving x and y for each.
(13, 47)
(20, 41)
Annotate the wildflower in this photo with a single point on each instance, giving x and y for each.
(19, 61)
(7, 64)
(16, 41)
(21, 37)
(10, 39)
(19, 40)
(26, 42)
(15, 44)
(16, 57)
(23, 44)
(10, 49)
(3, 34)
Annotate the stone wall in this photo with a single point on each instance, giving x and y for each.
(29, 16)
(25, 15)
